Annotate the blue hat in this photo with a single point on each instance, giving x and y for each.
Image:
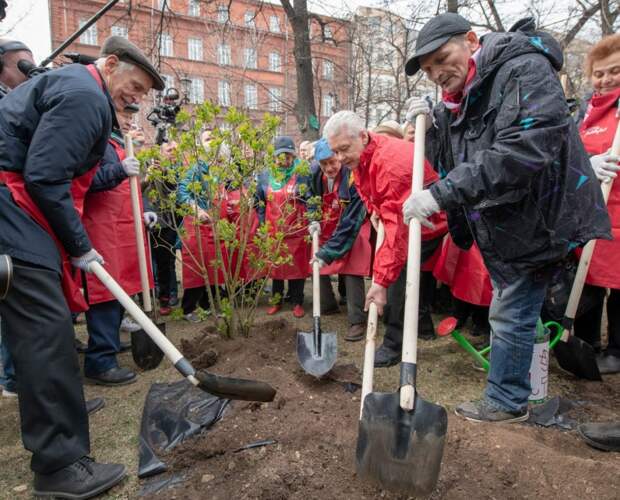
(322, 151)
(284, 144)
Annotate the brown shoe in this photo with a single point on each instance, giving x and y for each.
(356, 332)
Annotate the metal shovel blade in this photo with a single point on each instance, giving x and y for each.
(577, 357)
(317, 358)
(235, 388)
(401, 450)
(145, 352)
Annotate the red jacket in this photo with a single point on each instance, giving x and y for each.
(383, 180)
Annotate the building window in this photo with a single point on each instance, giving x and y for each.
(89, 37)
(249, 57)
(248, 19)
(251, 97)
(119, 31)
(275, 100)
(164, 43)
(329, 103)
(223, 54)
(194, 49)
(193, 8)
(274, 62)
(223, 93)
(328, 70)
(274, 24)
(222, 13)
(196, 91)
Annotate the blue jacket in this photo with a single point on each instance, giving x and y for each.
(53, 128)
(194, 174)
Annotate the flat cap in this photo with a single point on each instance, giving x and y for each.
(128, 52)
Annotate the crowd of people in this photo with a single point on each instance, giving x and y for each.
(511, 191)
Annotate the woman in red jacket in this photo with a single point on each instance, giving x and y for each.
(597, 132)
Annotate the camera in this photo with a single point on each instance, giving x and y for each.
(164, 114)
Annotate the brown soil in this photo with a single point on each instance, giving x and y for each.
(314, 426)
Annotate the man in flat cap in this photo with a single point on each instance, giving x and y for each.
(54, 129)
(515, 178)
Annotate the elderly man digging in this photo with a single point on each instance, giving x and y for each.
(382, 170)
(515, 178)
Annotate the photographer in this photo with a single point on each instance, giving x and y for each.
(54, 129)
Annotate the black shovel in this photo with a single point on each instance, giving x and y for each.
(6, 275)
(316, 350)
(223, 387)
(573, 354)
(401, 436)
(145, 353)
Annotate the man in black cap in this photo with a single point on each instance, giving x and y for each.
(502, 139)
(54, 129)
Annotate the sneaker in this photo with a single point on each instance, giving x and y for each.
(273, 310)
(298, 311)
(483, 411)
(386, 357)
(7, 393)
(165, 310)
(356, 332)
(174, 301)
(129, 325)
(192, 317)
(84, 478)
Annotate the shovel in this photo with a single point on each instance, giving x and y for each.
(6, 275)
(144, 351)
(401, 436)
(316, 351)
(223, 387)
(573, 354)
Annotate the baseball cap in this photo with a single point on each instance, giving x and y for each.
(433, 35)
(322, 151)
(128, 52)
(284, 144)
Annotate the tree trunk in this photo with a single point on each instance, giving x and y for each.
(453, 6)
(305, 107)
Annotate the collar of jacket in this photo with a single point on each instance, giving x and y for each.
(105, 91)
(369, 151)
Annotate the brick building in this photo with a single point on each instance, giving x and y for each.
(240, 55)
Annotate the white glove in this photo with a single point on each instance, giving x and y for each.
(314, 227)
(131, 166)
(83, 261)
(318, 260)
(150, 219)
(419, 106)
(420, 206)
(605, 166)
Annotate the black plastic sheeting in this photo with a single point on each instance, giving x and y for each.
(553, 413)
(173, 413)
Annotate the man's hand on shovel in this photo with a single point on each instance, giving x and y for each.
(377, 294)
(421, 206)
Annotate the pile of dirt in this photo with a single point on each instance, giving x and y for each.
(310, 432)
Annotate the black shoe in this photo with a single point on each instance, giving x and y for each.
(82, 479)
(114, 376)
(426, 327)
(482, 411)
(385, 357)
(604, 437)
(80, 346)
(608, 363)
(94, 405)
(125, 346)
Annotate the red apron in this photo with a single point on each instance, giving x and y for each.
(196, 262)
(465, 273)
(357, 261)
(597, 133)
(79, 186)
(108, 220)
(294, 226)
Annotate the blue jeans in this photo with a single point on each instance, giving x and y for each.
(513, 315)
(7, 370)
(102, 322)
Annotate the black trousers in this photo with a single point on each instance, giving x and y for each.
(162, 243)
(295, 290)
(39, 334)
(588, 325)
(194, 297)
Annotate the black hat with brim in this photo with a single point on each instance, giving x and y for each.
(128, 52)
(433, 35)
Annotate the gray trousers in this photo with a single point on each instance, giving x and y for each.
(356, 295)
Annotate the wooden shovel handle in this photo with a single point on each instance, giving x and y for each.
(588, 251)
(414, 254)
(316, 278)
(134, 188)
(371, 336)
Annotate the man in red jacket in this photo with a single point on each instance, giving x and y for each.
(382, 170)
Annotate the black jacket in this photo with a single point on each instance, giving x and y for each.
(515, 175)
(53, 128)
